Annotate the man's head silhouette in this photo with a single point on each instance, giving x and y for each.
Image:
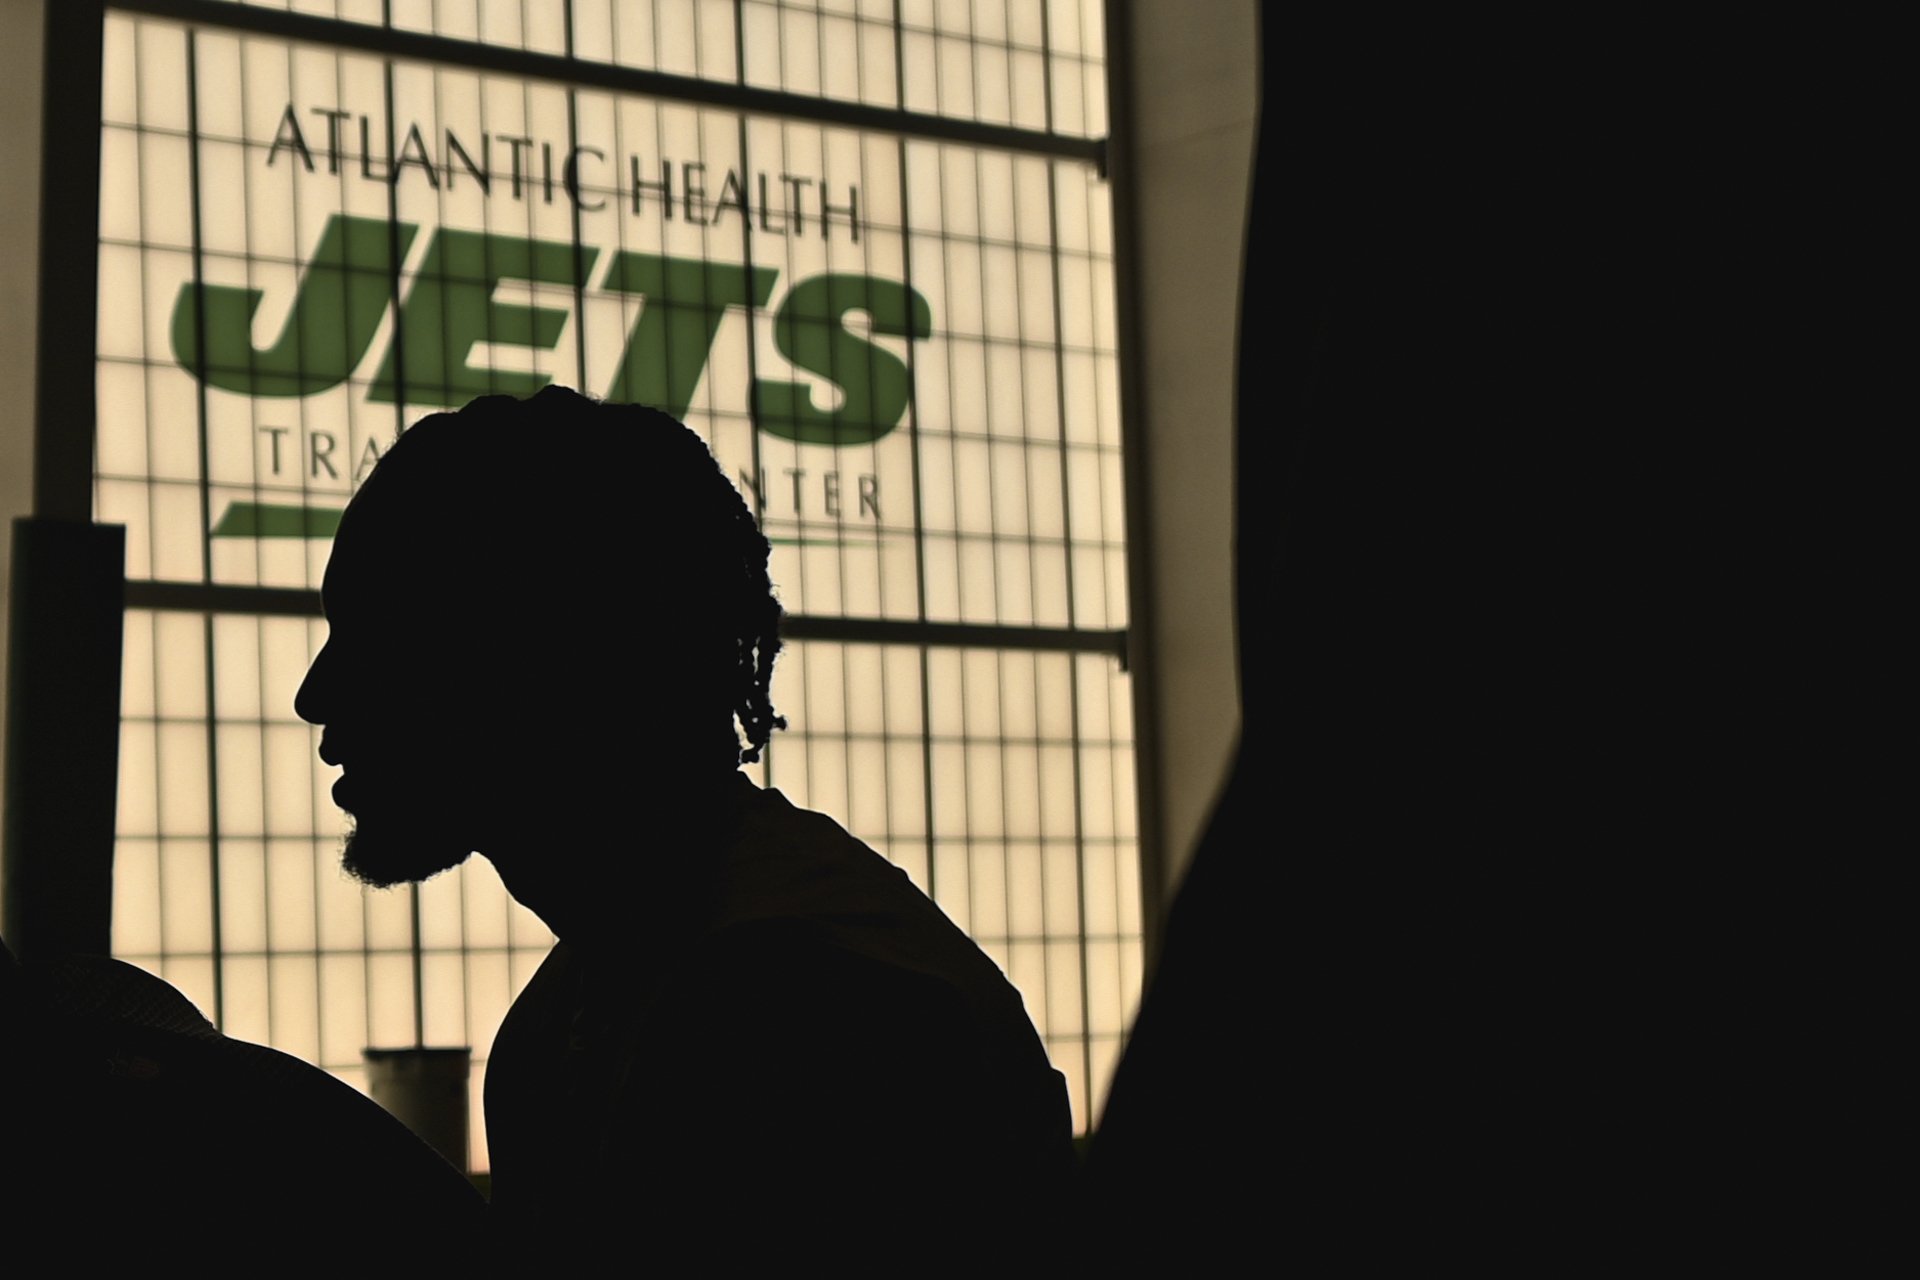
(541, 613)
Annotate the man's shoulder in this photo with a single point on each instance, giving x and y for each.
(799, 879)
(786, 863)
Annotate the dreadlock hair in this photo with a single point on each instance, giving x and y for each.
(601, 494)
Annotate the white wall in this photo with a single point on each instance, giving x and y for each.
(1192, 89)
(21, 23)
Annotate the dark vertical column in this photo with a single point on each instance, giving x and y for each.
(67, 589)
(69, 262)
(67, 597)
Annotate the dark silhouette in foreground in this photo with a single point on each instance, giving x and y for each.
(755, 1034)
(132, 1125)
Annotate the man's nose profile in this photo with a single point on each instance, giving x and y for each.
(748, 1011)
(310, 702)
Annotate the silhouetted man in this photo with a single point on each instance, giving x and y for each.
(755, 1034)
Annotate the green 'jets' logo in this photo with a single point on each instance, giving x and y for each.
(349, 284)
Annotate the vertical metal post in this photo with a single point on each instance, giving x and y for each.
(65, 403)
(67, 590)
(66, 602)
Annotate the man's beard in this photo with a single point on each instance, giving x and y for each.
(387, 850)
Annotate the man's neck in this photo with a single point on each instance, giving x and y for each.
(627, 877)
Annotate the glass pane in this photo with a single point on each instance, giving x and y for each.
(903, 353)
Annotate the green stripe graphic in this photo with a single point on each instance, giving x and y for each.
(271, 520)
(284, 520)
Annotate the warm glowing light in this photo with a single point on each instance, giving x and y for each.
(922, 332)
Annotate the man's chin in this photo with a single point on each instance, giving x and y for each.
(381, 858)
